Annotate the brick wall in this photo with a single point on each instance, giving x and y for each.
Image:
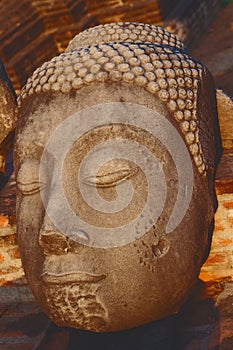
(10, 262)
(220, 261)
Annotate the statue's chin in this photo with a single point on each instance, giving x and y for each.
(75, 305)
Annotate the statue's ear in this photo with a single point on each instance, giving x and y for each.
(225, 116)
(8, 115)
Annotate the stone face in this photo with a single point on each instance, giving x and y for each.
(115, 156)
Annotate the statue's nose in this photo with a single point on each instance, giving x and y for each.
(51, 240)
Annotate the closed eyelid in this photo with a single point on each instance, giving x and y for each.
(110, 179)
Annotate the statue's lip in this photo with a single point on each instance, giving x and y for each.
(70, 277)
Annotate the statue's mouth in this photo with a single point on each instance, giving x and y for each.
(70, 277)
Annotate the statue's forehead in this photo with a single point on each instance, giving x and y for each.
(38, 129)
(35, 128)
(25, 149)
(31, 139)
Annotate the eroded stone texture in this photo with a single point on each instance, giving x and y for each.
(134, 125)
(8, 116)
(124, 32)
(7, 104)
(7, 111)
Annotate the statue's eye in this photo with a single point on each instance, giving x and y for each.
(29, 180)
(111, 178)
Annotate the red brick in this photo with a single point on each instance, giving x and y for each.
(16, 282)
(216, 259)
(3, 281)
(225, 242)
(4, 221)
(14, 253)
(205, 276)
(218, 226)
(231, 221)
(9, 269)
(1, 257)
(6, 241)
(228, 205)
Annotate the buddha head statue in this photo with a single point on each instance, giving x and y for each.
(115, 154)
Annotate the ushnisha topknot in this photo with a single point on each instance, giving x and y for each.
(125, 32)
(159, 64)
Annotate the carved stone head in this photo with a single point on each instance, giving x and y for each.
(115, 156)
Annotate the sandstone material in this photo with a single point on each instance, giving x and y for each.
(225, 115)
(8, 116)
(7, 105)
(115, 156)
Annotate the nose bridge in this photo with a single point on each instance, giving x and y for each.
(50, 239)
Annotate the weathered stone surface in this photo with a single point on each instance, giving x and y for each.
(7, 105)
(225, 116)
(141, 112)
(8, 117)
